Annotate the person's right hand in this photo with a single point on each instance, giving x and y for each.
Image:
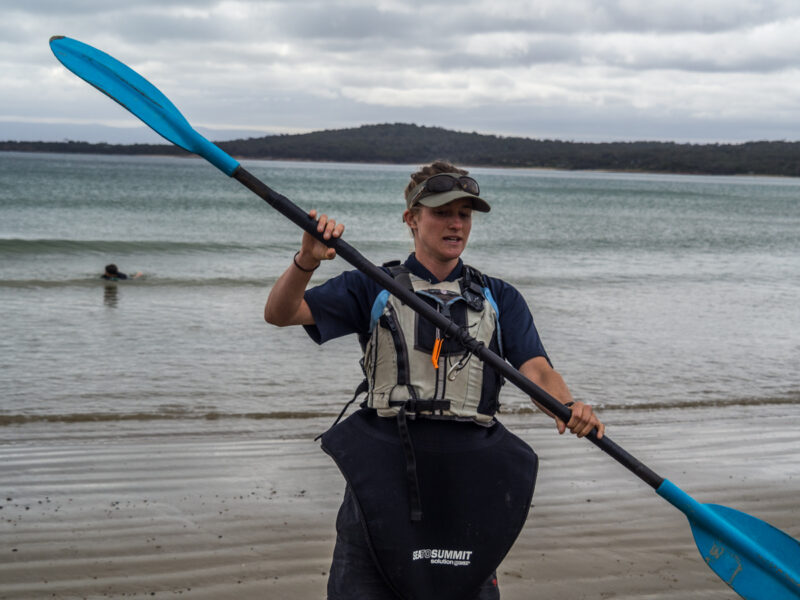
(312, 251)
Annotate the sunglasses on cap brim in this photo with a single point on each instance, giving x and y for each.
(445, 182)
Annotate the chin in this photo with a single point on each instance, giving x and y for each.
(451, 254)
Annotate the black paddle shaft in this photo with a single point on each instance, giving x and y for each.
(295, 214)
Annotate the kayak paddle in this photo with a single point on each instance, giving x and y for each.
(754, 558)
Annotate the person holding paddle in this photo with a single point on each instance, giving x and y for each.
(426, 434)
(436, 557)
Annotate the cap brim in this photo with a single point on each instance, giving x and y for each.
(436, 200)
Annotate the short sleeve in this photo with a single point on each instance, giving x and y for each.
(341, 306)
(520, 338)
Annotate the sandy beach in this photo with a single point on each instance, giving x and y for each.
(90, 512)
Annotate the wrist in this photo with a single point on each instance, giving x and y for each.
(300, 263)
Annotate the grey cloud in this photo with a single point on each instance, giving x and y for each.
(678, 17)
(150, 28)
(349, 23)
(543, 51)
(762, 64)
(591, 16)
(12, 35)
(74, 8)
(305, 64)
(659, 16)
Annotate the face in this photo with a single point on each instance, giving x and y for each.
(441, 233)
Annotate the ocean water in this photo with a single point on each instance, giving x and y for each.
(651, 292)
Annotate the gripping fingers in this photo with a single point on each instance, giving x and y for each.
(329, 228)
(583, 421)
(580, 423)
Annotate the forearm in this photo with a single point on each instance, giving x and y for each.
(582, 419)
(285, 304)
(550, 380)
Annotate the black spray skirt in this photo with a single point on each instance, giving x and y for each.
(475, 487)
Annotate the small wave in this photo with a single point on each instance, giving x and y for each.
(147, 280)
(65, 246)
(793, 398)
(705, 403)
(172, 415)
(179, 414)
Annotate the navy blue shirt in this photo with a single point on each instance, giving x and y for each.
(342, 306)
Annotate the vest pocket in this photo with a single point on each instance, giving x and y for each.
(425, 333)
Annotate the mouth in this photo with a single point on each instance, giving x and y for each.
(453, 239)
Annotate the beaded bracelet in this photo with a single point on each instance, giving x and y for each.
(303, 269)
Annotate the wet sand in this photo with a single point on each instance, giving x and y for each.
(89, 513)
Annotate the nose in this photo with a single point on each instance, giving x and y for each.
(455, 221)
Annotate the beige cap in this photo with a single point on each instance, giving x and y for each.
(435, 200)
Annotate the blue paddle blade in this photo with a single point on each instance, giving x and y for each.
(757, 560)
(132, 91)
(748, 577)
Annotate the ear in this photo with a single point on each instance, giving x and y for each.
(410, 219)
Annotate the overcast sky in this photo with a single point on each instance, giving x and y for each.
(590, 70)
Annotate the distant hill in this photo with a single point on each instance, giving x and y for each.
(401, 143)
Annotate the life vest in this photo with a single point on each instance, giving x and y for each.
(409, 365)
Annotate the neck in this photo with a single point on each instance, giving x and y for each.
(438, 269)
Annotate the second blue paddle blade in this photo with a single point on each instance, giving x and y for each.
(751, 571)
(757, 560)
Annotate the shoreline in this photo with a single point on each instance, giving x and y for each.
(240, 515)
(178, 153)
(292, 418)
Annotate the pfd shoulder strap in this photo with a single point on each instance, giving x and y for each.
(472, 288)
(400, 273)
(475, 283)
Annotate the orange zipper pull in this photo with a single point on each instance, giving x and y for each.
(437, 350)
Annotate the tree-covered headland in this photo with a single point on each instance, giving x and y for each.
(412, 144)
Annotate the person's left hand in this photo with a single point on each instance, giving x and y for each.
(582, 422)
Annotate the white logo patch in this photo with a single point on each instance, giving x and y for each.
(453, 558)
